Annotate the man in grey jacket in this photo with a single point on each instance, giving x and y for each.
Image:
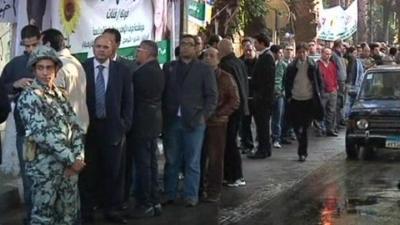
(337, 57)
(190, 98)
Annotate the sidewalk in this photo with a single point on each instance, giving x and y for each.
(266, 179)
(9, 196)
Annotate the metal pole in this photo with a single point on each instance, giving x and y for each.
(172, 40)
(184, 21)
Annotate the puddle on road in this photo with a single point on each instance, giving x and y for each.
(334, 207)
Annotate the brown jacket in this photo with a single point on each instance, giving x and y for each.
(228, 98)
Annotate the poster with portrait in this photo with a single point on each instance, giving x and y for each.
(8, 11)
(82, 20)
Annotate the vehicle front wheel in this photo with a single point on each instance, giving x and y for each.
(352, 150)
(368, 153)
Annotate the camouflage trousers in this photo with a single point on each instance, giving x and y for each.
(55, 200)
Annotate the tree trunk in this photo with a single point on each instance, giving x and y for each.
(256, 26)
(397, 5)
(387, 11)
(362, 21)
(305, 24)
(226, 18)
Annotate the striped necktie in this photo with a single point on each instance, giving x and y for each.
(100, 94)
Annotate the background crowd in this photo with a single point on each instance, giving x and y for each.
(87, 134)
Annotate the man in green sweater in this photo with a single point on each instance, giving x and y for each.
(279, 101)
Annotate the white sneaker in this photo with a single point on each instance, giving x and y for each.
(237, 183)
(277, 145)
(242, 182)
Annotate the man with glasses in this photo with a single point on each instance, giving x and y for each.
(190, 98)
(16, 77)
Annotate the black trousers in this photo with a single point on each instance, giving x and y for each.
(246, 136)
(262, 118)
(130, 172)
(101, 181)
(232, 157)
(301, 114)
(147, 193)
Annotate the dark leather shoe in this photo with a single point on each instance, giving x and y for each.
(124, 206)
(87, 219)
(258, 155)
(211, 199)
(302, 158)
(142, 212)
(286, 141)
(166, 201)
(332, 134)
(157, 210)
(115, 218)
(190, 203)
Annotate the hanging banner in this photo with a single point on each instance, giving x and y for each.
(199, 12)
(337, 23)
(8, 11)
(81, 21)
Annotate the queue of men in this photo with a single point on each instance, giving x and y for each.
(87, 133)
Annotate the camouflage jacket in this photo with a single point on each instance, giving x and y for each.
(51, 127)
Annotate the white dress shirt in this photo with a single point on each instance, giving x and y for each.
(72, 78)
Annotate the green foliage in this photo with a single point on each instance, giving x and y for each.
(250, 10)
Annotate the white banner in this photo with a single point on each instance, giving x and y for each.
(82, 20)
(337, 23)
(8, 11)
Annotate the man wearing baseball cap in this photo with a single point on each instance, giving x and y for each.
(53, 145)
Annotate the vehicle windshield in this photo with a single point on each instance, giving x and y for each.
(381, 85)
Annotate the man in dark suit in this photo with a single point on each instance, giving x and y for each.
(190, 98)
(148, 81)
(233, 172)
(109, 100)
(115, 37)
(263, 81)
(4, 107)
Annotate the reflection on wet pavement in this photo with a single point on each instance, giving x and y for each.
(340, 193)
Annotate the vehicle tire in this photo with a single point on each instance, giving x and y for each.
(368, 153)
(352, 150)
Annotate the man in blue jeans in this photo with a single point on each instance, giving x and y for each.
(190, 98)
(279, 100)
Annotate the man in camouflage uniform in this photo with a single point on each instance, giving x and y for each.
(53, 148)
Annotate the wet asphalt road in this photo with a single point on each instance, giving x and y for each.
(325, 190)
(339, 193)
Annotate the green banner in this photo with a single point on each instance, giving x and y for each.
(164, 52)
(197, 11)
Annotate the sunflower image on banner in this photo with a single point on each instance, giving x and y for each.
(70, 14)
